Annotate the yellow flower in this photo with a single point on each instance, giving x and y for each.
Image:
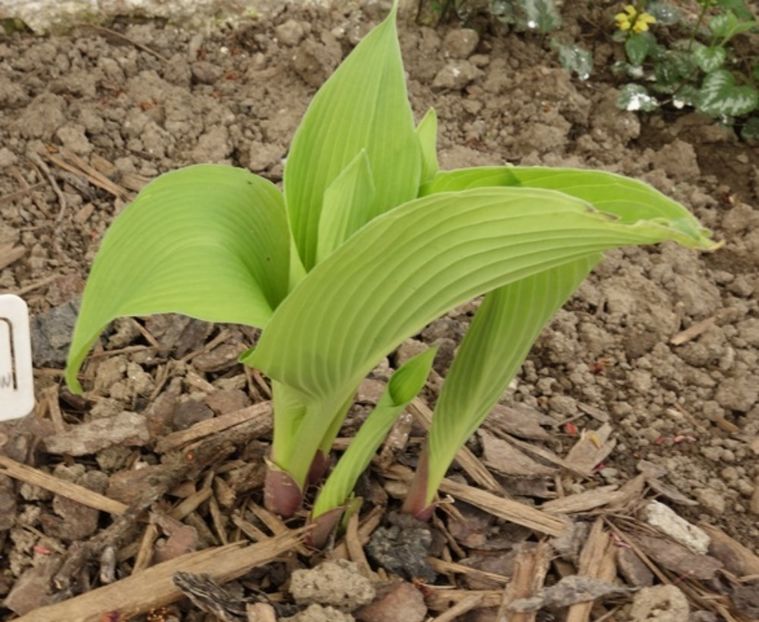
(643, 21)
(626, 20)
(631, 19)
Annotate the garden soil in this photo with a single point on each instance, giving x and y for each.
(87, 118)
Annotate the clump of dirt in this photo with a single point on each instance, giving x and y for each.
(659, 344)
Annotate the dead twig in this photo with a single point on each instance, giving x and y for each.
(72, 491)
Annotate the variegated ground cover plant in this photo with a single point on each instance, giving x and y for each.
(367, 243)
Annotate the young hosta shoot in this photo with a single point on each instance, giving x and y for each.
(367, 244)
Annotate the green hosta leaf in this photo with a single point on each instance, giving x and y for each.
(575, 59)
(709, 58)
(634, 98)
(494, 348)
(511, 317)
(418, 261)
(638, 46)
(720, 96)
(207, 241)
(402, 388)
(363, 105)
(628, 199)
(427, 133)
(347, 205)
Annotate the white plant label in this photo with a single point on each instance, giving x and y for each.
(16, 378)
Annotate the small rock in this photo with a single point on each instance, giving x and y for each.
(73, 137)
(461, 43)
(42, 117)
(213, 146)
(128, 485)
(739, 394)
(51, 334)
(667, 521)
(291, 32)
(263, 156)
(711, 500)
(403, 548)
(205, 72)
(398, 601)
(7, 157)
(456, 75)
(663, 603)
(317, 613)
(336, 583)
(127, 428)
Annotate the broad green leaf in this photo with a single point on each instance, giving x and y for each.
(426, 131)
(347, 205)
(739, 7)
(637, 47)
(494, 348)
(634, 97)
(541, 15)
(402, 388)
(628, 199)
(422, 259)
(363, 106)
(709, 58)
(727, 25)
(207, 241)
(721, 96)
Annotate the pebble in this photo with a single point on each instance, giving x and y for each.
(711, 500)
(663, 603)
(317, 613)
(664, 519)
(398, 601)
(461, 43)
(335, 583)
(456, 75)
(291, 32)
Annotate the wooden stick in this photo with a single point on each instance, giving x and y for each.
(258, 412)
(154, 587)
(512, 511)
(467, 604)
(446, 567)
(530, 569)
(72, 491)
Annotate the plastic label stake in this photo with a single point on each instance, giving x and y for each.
(16, 378)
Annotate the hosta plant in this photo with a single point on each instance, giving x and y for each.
(367, 243)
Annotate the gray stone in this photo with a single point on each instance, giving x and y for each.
(461, 43)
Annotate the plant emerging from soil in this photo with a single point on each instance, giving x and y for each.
(367, 244)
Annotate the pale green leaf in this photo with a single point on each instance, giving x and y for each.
(364, 105)
(426, 131)
(208, 241)
(413, 264)
(628, 199)
(347, 205)
(638, 46)
(402, 388)
(494, 348)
